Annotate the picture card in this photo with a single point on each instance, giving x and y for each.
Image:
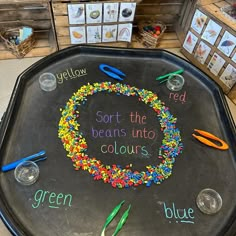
(227, 43)
(109, 33)
(76, 13)
(211, 32)
(125, 32)
(127, 11)
(234, 58)
(94, 34)
(198, 22)
(215, 64)
(77, 35)
(110, 12)
(228, 77)
(190, 42)
(202, 52)
(93, 13)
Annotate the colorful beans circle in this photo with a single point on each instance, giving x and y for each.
(76, 146)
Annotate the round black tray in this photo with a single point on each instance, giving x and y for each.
(68, 202)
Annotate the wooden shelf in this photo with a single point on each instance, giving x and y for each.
(35, 14)
(52, 27)
(22, 1)
(222, 72)
(43, 47)
(169, 40)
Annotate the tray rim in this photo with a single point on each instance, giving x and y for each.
(14, 225)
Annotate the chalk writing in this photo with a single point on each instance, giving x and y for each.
(52, 199)
(117, 149)
(179, 215)
(107, 118)
(70, 74)
(143, 133)
(136, 118)
(108, 133)
(178, 97)
(115, 119)
(102, 117)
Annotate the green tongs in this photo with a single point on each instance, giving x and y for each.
(112, 216)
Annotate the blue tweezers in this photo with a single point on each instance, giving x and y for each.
(112, 71)
(40, 156)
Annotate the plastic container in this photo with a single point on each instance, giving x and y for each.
(175, 82)
(27, 172)
(209, 201)
(47, 82)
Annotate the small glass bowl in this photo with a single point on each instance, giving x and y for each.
(27, 172)
(47, 82)
(175, 82)
(209, 201)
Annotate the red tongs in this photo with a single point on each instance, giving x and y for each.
(223, 146)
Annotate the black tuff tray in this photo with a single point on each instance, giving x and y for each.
(68, 202)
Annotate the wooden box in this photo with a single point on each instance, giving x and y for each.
(32, 13)
(62, 25)
(167, 12)
(210, 43)
(172, 13)
(232, 94)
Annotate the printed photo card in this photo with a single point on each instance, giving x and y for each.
(94, 13)
(110, 12)
(101, 22)
(190, 42)
(211, 32)
(234, 58)
(109, 33)
(202, 52)
(77, 35)
(228, 77)
(124, 32)
(127, 11)
(76, 13)
(227, 43)
(215, 64)
(198, 22)
(94, 34)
